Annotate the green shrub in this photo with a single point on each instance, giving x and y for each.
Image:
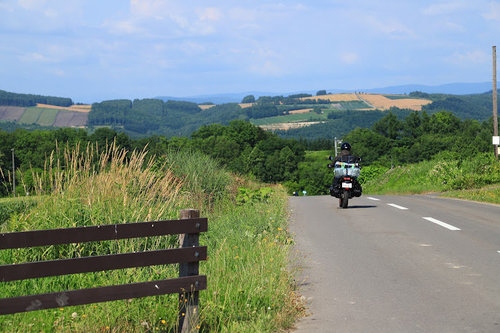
(246, 195)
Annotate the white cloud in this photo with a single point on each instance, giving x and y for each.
(267, 68)
(210, 14)
(394, 29)
(494, 12)
(469, 58)
(349, 58)
(446, 8)
(31, 4)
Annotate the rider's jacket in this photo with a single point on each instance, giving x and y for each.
(345, 156)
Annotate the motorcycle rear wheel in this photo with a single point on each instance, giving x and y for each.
(344, 199)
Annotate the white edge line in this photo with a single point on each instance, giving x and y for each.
(445, 225)
(371, 198)
(397, 206)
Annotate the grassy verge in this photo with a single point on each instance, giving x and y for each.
(475, 178)
(488, 194)
(249, 288)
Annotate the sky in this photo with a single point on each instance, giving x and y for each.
(92, 50)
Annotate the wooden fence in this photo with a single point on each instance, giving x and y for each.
(188, 256)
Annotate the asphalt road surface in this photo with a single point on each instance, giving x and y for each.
(397, 264)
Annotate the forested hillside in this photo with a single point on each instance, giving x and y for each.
(474, 106)
(295, 116)
(13, 99)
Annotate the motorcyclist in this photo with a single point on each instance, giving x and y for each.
(345, 156)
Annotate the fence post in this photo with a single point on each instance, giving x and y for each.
(188, 301)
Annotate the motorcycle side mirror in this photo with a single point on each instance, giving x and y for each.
(330, 158)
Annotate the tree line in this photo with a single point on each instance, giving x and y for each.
(240, 146)
(14, 99)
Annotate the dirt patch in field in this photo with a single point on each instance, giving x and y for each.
(300, 111)
(383, 103)
(205, 107)
(11, 113)
(287, 126)
(76, 108)
(334, 97)
(71, 119)
(245, 105)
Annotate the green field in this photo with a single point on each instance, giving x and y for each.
(354, 105)
(310, 116)
(39, 116)
(30, 116)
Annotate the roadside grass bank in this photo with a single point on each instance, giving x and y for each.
(249, 286)
(473, 178)
(487, 194)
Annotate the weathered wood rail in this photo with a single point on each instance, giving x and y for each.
(187, 285)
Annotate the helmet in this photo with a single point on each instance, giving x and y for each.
(345, 146)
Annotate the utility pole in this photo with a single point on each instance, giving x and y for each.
(495, 118)
(335, 144)
(13, 174)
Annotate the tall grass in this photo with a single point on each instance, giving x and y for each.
(249, 288)
(443, 173)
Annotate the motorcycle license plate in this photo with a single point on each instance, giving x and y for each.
(346, 185)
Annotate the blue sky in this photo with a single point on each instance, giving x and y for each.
(93, 50)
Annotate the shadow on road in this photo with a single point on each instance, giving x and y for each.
(359, 206)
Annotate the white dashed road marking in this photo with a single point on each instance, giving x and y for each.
(397, 206)
(445, 225)
(370, 198)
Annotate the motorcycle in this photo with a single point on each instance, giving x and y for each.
(346, 185)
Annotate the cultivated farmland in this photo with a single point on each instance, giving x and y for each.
(71, 119)
(334, 97)
(75, 107)
(11, 113)
(383, 103)
(31, 115)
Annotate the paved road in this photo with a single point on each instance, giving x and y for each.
(398, 264)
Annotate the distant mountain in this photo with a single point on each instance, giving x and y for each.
(450, 88)
(216, 98)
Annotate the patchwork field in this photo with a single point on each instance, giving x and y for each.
(71, 119)
(383, 103)
(205, 107)
(334, 97)
(300, 111)
(76, 107)
(47, 115)
(11, 113)
(287, 126)
(245, 105)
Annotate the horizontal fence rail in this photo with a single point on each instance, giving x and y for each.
(187, 256)
(17, 240)
(101, 263)
(101, 294)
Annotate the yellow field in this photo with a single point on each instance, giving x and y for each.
(204, 107)
(334, 97)
(245, 105)
(300, 111)
(383, 103)
(77, 108)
